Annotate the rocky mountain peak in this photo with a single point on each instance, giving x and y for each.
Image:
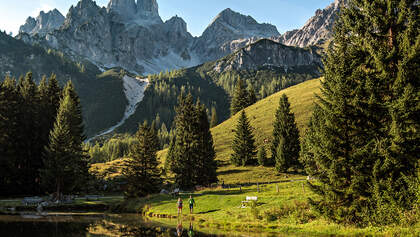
(242, 24)
(126, 8)
(317, 30)
(84, 10)
(226, 27)
(176, 24)
(43, 24)
(148, 7)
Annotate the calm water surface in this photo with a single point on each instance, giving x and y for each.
(66, 224)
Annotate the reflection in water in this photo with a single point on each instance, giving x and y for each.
(75, 225)
(191, 230)
(179, 228)
(88, 225)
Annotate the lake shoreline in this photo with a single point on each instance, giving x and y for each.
(281, 209)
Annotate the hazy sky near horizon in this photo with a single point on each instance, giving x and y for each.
(284, 14)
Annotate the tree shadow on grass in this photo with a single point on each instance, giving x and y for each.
(223, 192)
(232, 172)
(210, 211)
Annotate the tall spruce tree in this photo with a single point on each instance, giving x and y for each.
(78, 135)
(205, 165)
(285, 128)
(31, 144)
(240, 99)
(262, 156)
(62, 160)
(243, 145)
(191, 153)
(142, 172)
(364, 138)
(10, 138)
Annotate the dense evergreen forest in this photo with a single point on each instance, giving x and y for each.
(41, 135)
(101, 93)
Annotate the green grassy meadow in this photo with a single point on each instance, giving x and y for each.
(286, 211)
(261, 116)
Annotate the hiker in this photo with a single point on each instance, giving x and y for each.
(179, 206)
(191, 202)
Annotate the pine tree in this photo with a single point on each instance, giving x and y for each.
(243, 144)
(282, 164)
(252, 97)
(156, 142)
(262, 156)
(183, 154)
(205, 166)
(31, 143)
(77, 118)
(240, 98)
(78, 136)
(65, 161)
(10, 137)
(191, 153)
(285, 128)
(142, 172)
(214, 119)
(54, 94)
(60, 155)
(364, 139)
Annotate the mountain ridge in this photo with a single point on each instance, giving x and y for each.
(138, 40)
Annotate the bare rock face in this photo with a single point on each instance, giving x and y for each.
(317, 30)
(43, 24)
(227, 27)
(126, 9)
(132, 35)
(148, 8)
(268, 53)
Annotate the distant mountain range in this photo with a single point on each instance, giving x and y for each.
(132, 35)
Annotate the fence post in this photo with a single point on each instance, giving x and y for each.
(258, 187)
(277, 187)
(303, 188)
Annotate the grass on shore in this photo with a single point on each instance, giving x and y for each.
(286, 211)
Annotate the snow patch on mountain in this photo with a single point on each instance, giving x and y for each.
(134, 92)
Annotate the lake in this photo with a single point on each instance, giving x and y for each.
(97, 224)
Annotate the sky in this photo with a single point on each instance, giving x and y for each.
(284, 14)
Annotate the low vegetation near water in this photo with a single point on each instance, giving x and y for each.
(286, 211)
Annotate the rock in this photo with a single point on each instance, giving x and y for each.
(267, 53)
(148, 8)
(317, 30)
(227, 27)
(133, 36)
(127, 9)
(43, 24)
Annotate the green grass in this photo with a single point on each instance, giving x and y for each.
(261, 116)
(286, 211)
